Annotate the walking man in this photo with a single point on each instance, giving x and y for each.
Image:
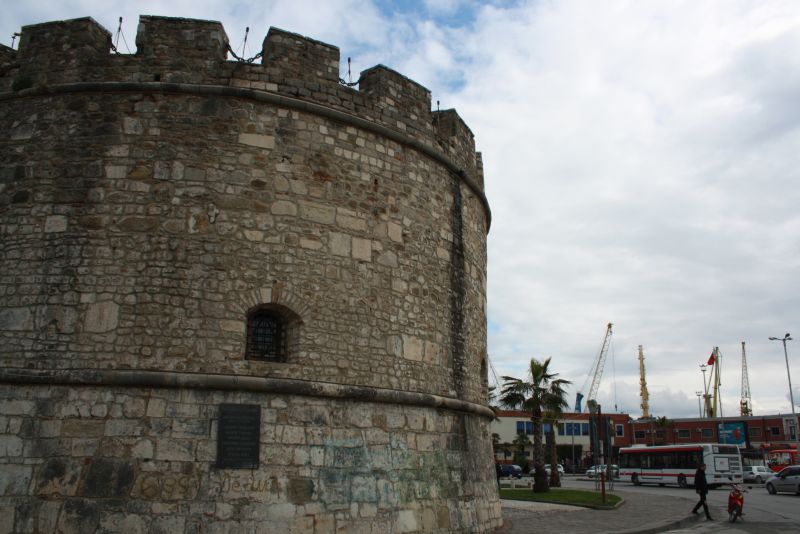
(701, 487)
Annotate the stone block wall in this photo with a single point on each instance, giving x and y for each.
(141, 460)
(148, 202)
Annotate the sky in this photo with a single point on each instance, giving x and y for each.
(641, 162)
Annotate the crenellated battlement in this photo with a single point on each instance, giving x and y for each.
(172, 41)
(188, 51)
(7, 54)
(291, 56)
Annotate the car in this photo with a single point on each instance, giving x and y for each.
(560, 469)
(510, 470)
(595, 470)
(787, 480)
(757, 473)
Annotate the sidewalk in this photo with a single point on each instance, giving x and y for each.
(641, 513)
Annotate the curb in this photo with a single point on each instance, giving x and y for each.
(572, 504)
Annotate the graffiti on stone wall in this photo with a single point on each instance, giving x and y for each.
(166, 486)
(248, 484)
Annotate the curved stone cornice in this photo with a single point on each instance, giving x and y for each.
(279, 386)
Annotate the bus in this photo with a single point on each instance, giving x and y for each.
(676, 464)
(777, 459)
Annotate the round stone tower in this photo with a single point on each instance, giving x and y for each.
(236, 296)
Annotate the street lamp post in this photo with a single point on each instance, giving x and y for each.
(784, 339)
(703, 368)
(573, 449)
(699, 408)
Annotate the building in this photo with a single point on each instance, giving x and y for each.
(755, 435)
(572, 437)
(236, 293)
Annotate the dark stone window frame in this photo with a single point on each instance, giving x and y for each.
(271, 331)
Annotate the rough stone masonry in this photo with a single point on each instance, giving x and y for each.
(236, 296)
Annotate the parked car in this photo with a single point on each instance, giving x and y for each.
(595, 470)
(560, 469)
(788, 479)
(757, 473)
(510, 470)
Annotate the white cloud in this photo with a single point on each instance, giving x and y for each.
(640, 160)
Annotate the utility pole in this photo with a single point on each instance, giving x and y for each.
(706, 396)
(786, 338)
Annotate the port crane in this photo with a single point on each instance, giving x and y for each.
(643, 386)
(713, 402)
(746, 403)
(595, 373)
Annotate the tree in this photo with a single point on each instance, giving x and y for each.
(664, 424)
(506, 448)
(520, 442)
(541, 391)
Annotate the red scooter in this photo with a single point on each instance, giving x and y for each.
(735, 503)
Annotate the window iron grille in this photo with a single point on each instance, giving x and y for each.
(265, 336)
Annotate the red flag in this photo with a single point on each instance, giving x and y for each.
(711, 359)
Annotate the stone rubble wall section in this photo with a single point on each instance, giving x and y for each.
(137, 224)
(148, 254)
(141, 461)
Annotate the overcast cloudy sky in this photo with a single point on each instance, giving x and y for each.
(641, 159)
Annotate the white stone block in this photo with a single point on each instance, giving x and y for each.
(362, 249)
(55, 223)
(257, 140)
(101, 317)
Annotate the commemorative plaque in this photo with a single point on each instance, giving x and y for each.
(238, 433)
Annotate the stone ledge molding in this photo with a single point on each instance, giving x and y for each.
(270, 98)
(278, 386)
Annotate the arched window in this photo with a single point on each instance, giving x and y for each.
(266, 336)
(273, 333)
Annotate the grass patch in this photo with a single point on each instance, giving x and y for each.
(591, 499)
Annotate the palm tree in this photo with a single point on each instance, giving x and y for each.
(664, 424)
(540, 392)
(551, 418)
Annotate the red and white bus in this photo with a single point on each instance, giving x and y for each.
(676, 464)
(777, 459)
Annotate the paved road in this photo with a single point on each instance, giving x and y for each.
(655, 509)
(641, 512)
(737, 528)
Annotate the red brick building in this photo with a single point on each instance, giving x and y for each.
(755, 434)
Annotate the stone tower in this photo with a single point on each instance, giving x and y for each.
(236, 296)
